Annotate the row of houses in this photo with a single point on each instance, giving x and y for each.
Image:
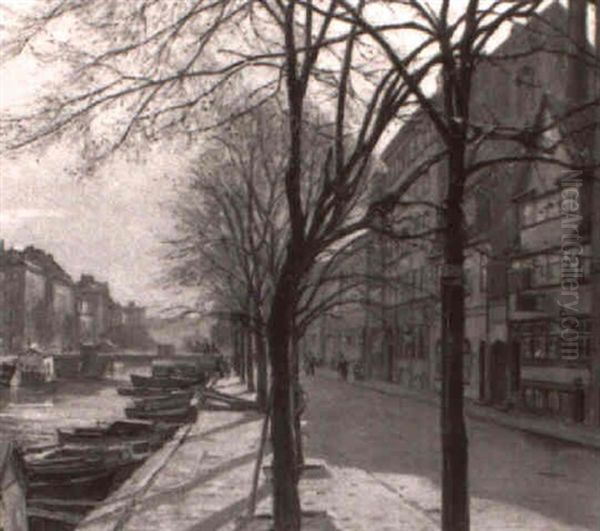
(42, 306)
(529, 303)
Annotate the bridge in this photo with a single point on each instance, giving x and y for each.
(143, 358)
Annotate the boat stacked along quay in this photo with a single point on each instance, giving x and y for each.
(169, 401)
(65, 472)
(68, 479)
(171, 407)
(64, 482)
(180, 415)
(168, 382)
(7, 371)
(141, 436)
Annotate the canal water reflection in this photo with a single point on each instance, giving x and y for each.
(31, 415)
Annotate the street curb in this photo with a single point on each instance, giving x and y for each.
(556, 431)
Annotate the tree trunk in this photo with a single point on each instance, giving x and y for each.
(286, 502)
(249, 362)
(242, 352)
(455, 502)
(236, 347)
(297, 417)
(262, 385)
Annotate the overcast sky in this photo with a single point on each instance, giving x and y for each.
(110, 226)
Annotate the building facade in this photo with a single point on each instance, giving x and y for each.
(94, 304)
(527, 262)
(38, 302)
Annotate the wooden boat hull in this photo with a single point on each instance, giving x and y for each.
(164, 383)
(138, 444)
(181, 415)
(92, 486)
(65, 463)
(7, 371)
(142, 392)
(162, 403)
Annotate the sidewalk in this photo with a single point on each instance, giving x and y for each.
(582, 435)
(201, 481)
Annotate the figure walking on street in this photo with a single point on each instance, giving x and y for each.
(343, 367)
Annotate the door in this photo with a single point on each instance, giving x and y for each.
(482, 370)
(390, 361)
(515, 368)
(499, 372)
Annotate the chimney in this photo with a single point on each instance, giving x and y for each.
(1, 246)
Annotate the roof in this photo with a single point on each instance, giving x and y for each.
(47, 262)
(554, 23)
(32, 256)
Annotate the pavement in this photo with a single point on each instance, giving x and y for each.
(518, 480)
(518, 420)
(377, 462)
(201, 481)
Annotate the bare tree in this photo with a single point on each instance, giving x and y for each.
(231, 224)
(154, 68)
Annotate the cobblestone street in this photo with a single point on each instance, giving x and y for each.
(517, 480)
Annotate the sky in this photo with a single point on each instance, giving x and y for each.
(110, 225)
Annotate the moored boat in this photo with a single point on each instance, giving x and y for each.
(91, 484)
(7, 371)
(139, 445)
(171, 382)
(162, 402)
(140, 391)
(178, 415)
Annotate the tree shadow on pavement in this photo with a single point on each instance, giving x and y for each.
(234, 512)
(246, 419)
(170, 492)
(396, 440)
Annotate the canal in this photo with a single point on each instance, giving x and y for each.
(31, 415)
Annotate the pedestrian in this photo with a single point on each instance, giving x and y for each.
(312, 362)
(343, 367)
(307, 364)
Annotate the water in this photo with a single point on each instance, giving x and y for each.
(31, 415)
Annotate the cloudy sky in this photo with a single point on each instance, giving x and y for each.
(110, 225)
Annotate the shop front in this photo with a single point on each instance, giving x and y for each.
(554, 365)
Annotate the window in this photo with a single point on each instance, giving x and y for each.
(542, 341)
(553, 276)
(553, 348)
(467, 361)
(539, 270)
(483, 273)
(526, 345)
(545, 268)
(539, 344)
(527, 214)
(537, 210)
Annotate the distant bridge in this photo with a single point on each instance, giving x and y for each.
(143, 358)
